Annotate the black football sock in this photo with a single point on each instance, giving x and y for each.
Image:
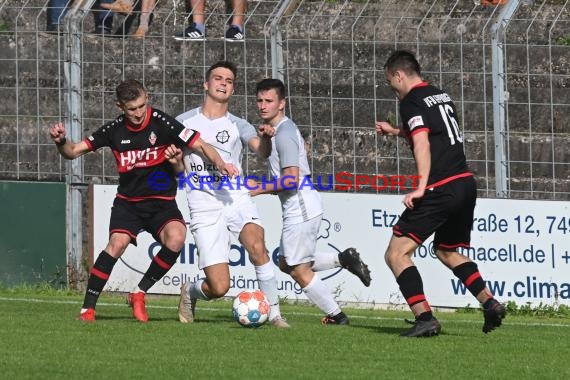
(162, 262)
(412, 289)
(98, 278)
(469, 275)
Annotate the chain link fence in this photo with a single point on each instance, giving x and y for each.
(330, 54)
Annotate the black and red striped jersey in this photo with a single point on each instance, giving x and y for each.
(427, 108)
(144, 172)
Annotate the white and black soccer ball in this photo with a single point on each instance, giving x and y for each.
(251, 308)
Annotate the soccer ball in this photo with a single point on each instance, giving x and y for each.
(251, 308)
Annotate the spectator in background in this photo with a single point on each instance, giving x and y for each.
(145, 18)
(141, 8)
(57, 8)
(197, 30)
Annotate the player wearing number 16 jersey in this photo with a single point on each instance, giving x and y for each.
(428, 109)
(444, 201)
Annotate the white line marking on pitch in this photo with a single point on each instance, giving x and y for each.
(213, 309)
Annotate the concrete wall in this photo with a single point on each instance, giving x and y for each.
(334, 52)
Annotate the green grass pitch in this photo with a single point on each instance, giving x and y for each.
(40, 339)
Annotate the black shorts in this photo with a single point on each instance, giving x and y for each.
(149, 215)
(446, 210)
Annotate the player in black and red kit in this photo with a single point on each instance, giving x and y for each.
(444, 201)
(145, 199)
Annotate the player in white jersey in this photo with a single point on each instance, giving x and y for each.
(301, 207)
(221, 206)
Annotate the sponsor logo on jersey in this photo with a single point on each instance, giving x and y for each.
(415, 122)
(132, 159)
(186, 134)
(125, 141)
(223, 137)
(152, 138)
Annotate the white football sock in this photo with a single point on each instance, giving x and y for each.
(325, 260)
(320, 295)
(195, 290)
(268, 284)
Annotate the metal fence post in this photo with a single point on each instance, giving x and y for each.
(277, 43)
(500, 98)
(74, 126)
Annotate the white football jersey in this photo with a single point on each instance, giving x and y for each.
(206, 188)
(288, 149)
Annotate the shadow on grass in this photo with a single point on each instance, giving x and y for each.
(391, 330)
(104, 317)
(205, 319)
(214, 318)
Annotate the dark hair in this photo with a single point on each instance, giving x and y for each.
(226, 65)
(403, 60)
(271, 84)
(129, 90)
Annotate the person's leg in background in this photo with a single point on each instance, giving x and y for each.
(196, 31)
(236, 31)
(145, 18)
(56, 10)
(103, 18)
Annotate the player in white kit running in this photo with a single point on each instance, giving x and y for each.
(221, 206)
(301, 207)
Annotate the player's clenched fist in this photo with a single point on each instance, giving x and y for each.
(384, 128)
(57, 132)
(173, 154)
(265, 130)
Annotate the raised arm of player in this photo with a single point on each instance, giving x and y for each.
(212, 155)
(385, 128)
(261, 145)
(68, 149)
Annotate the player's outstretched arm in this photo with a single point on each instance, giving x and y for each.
(289, 180)
(68, 149)
(212, 155)
(261, 145)
(385, 128)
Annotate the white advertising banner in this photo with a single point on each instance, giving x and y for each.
(522, 249)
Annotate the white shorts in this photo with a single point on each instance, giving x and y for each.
(214, 240)
(299, 241)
